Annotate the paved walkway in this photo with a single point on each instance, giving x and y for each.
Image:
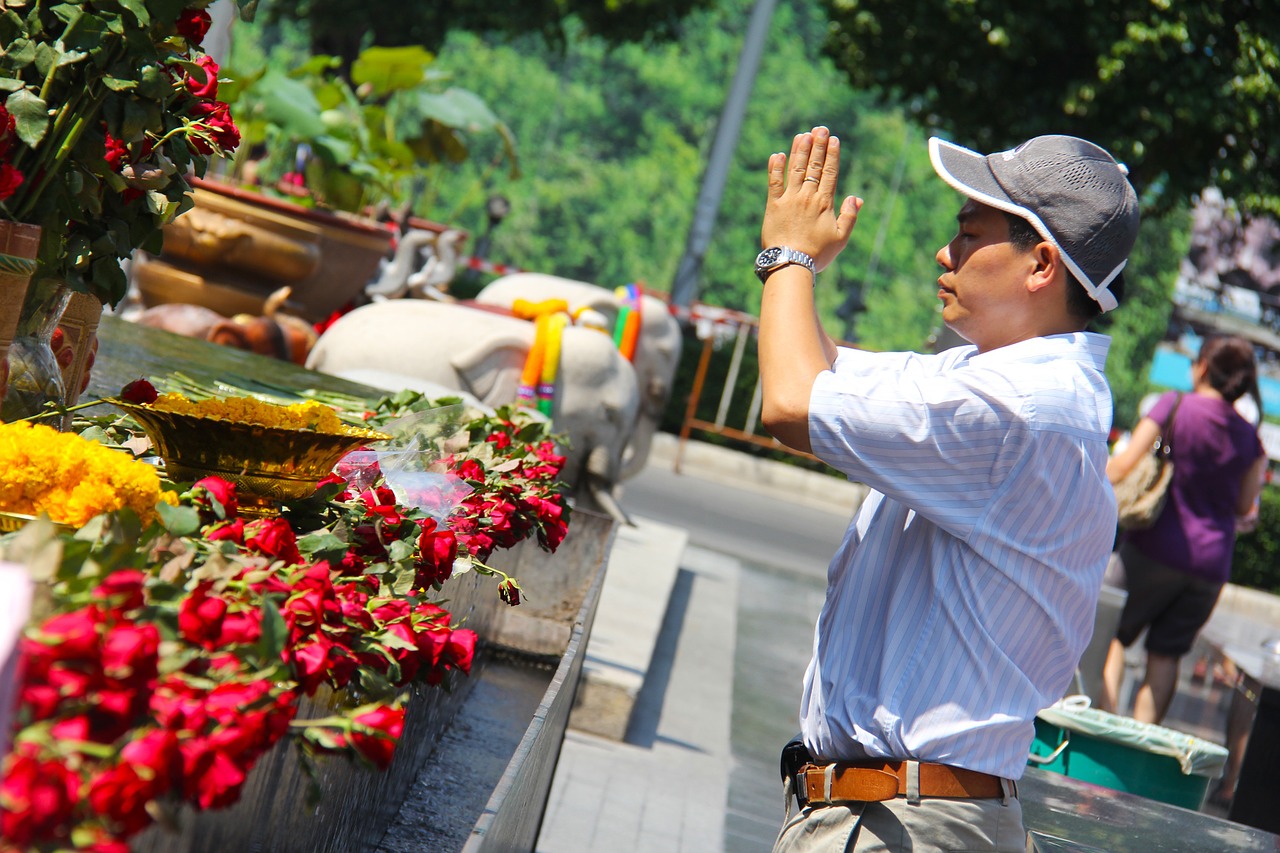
(664, 789)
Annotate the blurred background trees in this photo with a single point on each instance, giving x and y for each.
(613, 108)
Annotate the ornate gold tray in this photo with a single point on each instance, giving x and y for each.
(267, 464)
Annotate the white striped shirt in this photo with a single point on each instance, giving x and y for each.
(965, 589)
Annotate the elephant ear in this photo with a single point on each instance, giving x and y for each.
(490, 369)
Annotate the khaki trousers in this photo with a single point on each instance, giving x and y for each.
(933, 825)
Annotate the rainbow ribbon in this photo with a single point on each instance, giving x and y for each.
(626, 331)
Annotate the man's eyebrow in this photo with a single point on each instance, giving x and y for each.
(965, 215)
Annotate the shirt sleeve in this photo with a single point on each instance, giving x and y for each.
(940, 441)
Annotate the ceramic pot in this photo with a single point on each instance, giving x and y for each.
(18, 247)
(75, 346)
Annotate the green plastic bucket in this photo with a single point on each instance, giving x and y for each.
(1125, 755)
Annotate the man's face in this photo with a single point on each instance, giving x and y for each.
(983, 283)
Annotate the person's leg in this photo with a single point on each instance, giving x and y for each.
(1151, 702)
(1170, 636)
(1112, 677)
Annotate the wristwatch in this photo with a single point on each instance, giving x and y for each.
(779, 256)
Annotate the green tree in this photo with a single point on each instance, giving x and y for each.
(1184, 91)
(342, 27)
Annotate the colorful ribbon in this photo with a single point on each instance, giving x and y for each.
(626, 331)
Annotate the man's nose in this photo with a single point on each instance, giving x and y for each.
(944, 257)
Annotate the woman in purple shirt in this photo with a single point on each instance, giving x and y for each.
(1175, 569)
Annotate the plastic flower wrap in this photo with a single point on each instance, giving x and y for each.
(413, 463)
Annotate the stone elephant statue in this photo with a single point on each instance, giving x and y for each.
(482, 354)
(656, 357)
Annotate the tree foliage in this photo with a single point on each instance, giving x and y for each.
(1186, 92)
(342, 27)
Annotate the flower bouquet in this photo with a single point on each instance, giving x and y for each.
(177, 653)
(108, 108)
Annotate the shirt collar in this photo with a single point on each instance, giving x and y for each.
(1087, 347)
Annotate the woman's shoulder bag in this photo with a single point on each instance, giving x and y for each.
(1141, 495)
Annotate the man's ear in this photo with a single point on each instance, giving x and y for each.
(1047, 267)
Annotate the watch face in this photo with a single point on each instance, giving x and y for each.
(768, 258)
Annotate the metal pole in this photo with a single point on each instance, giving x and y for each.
(685, 286)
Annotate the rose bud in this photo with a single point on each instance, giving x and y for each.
(509, 591)
(140, 392)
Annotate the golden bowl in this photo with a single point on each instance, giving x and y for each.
(267, 464)
(11, 521)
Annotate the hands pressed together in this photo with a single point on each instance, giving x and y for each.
(801, 209)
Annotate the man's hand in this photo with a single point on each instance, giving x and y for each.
(800, 210)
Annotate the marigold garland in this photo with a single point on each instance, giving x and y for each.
(69, 478)
(305, 416)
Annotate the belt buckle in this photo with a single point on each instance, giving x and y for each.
(801, 788)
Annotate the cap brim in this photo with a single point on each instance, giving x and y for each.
(967, 171)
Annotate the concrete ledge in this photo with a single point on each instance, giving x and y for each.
(642, 569)
(725, 465)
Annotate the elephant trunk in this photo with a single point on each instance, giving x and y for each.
(599, 477)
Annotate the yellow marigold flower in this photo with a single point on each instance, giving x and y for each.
(309, 415)
(69, 478)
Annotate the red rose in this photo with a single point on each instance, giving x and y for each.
(499, 440)
(509, 591)
(470, 469)
(121, 794)
(155, 752)
(437, 549)
(140, 392)
(211, 779)
(10, 180)
(122, 589)
(193, 25)
(243, 628)
(213, 494)
(200, 617)
(229, 530)
(272, 537)
(116, 154)
(75, 633)
(220, 130)
(461, 649)
(206, 90)
(375, 733)
(38, 798)
(129, 653)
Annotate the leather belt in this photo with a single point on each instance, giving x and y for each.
(874, 781)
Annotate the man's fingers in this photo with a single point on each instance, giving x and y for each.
(777, 174)
(801, 148)
(813, 169)
(830, 168)
(848, 216)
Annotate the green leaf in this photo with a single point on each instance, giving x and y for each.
(457, 108)
(322, 545)
(139, 11)
(179, 520)
(157, 202)
(30, 115)
(400, 550)
(274, 632)
(391, 69)
(116, 84)
(287, 103)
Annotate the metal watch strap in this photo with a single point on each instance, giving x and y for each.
(776, 257)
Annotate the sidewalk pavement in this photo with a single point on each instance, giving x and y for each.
(664, 789)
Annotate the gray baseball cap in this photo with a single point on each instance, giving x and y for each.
(1074, 194)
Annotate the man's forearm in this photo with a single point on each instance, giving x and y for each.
(793, 350)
